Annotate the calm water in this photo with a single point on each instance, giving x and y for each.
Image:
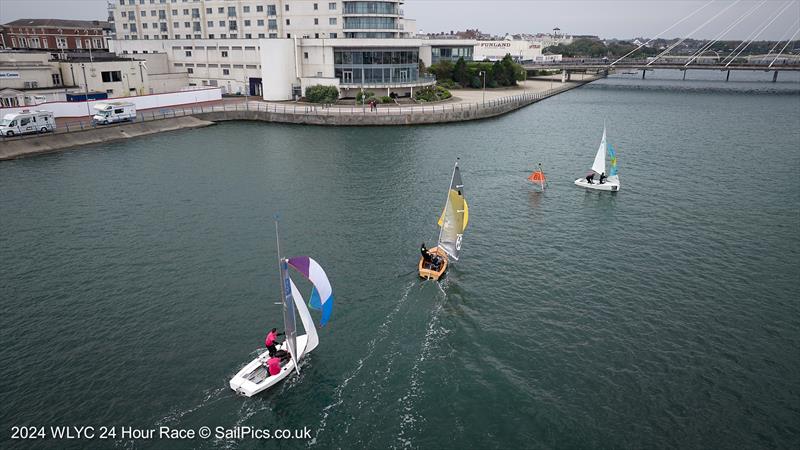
(137, 277)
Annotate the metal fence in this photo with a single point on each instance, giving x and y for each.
(304, 109)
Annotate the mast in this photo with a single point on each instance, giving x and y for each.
(288, 303)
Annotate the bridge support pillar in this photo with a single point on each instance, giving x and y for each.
(684, 74)
(775, 76)
(644, 71)
(728, 76)
(563, 75)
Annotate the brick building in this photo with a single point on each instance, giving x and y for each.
(55, 34)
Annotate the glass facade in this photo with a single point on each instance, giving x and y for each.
(450, 54)
(378, 66)
(372, 23)
(368, 35)
(371, 8)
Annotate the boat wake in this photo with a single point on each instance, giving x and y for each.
(434, 333)
(380, 336)
(210, 396)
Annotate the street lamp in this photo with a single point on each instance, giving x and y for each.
(86, 89)
(482, 73)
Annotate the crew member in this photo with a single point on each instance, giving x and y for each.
(274, 366)
(272, 341)
(590, 177)
(602, 177)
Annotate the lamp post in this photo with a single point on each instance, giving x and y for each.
(86, 89)
(482, 73)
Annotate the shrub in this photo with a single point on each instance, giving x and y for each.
(432, 94)
(322, 94)
(364, 96)
(448, 84)
(387, 99)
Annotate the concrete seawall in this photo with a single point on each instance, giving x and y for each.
(279, 113)
(47, 143)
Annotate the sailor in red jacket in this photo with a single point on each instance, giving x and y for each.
(272, 340)
(274, 366)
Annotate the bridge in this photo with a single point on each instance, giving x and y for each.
(774, 61)
(567, 67)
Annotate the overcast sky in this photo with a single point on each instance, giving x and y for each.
(605, 18)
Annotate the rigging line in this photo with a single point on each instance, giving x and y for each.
(796, 22)
(723, 33)
(669, 49)
(784, 48)
(750, 41)
(659, 34)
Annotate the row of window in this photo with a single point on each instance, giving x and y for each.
(371, 8)
(224, 36)
(213, 66)
(231, 10)
(36, 42)
(358, 75)
(379, 23)
(232, 24)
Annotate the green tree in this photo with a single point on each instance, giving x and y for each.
(460, 72)
(443, 70)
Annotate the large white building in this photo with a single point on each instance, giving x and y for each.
(258, 19)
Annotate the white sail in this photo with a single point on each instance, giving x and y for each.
(308, 323)
(454, 218)
(599, 165)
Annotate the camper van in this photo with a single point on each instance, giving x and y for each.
(114, 112)
(27, 122)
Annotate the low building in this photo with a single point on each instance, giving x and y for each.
(55, 34)
(31, 78)
(520, 50)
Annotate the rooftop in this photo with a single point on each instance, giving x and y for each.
(59, 23)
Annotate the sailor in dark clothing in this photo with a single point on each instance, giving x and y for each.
(590, 177)
(427, 258)
(602, 177)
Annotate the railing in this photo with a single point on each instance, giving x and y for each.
(419, 80)
(475, 109)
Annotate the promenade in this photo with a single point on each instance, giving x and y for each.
(465, 105)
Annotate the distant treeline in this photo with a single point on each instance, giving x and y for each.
(595, 48)
(469, 74)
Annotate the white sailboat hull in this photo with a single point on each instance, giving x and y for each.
(255, 378)
(608, 185)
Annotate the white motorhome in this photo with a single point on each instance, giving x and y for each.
(27, 121)
(114, 112)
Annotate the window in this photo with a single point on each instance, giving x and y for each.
(211, 35)
(272, 24)
(111, 76)
(260, 22)
(224, 54)
(273, 35)
(210, 24)
(245, 9)
(222, 23)
(195, 13)
(332, 21)
(176, 25)
(305, 55)
(144, 25)
(232, 25)
(333, 35)
(231, 11)
(153, 13)
(226, 71)
(288, 35)
(316, 35)
(144, 14)
(260, 8)
(185, 12)
(56, 79)
(196, 26)
(125, 26)
(163, 27)
(221, 10)
(62, 42)
(209, 10)
(162, 15)
(187, 24)
(188, 53)
(316, 6)
(271, 11)
(189, 70)
(288, 22)
(247, 23)
(316, 21)
(332, 6)
(261, 35)
(174, 12)
(287, 7)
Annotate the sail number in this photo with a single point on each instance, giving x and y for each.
(458, 241)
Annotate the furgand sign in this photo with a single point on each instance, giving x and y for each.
(9, 74)
(495, 44)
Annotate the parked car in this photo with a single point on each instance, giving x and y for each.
(27, 121)
(114, 112)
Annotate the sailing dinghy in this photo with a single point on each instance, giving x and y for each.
(452, 224)
(599, 168)
(538, 178)
(254, 377)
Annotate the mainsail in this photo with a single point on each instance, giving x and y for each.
(599, 165)
(455, 216)
(289, 325)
